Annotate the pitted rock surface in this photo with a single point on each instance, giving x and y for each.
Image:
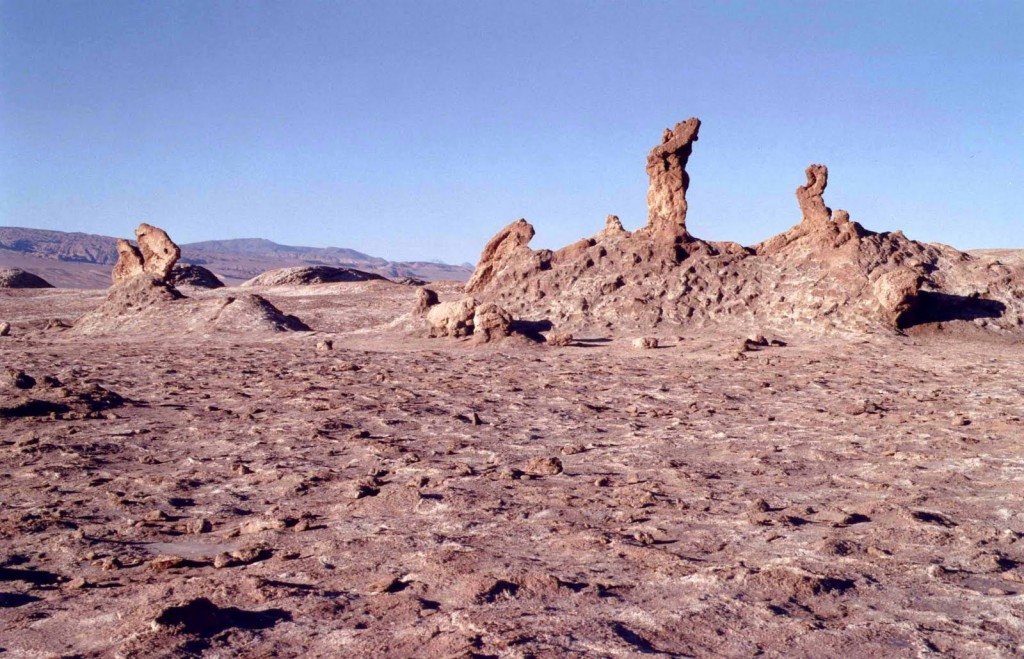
(827, 273)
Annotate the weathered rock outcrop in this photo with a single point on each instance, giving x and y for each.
(452, 319)
(309, 275)
(159, 253)
(511, 242)
(144, 300)
(186, 274)
(18, 278)
(666, 192)
(425, 299)
(827, 272)
(155, 255)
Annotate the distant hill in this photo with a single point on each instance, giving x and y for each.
(84, 260)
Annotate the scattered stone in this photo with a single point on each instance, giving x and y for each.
(559, 339)
(251, 526)
(645, 343)
(509, 474)
(5, 328)
(20, 380)
(549, 466)
(197, 526)
(78, 583)
(360, 489)
(167, 563)
(324, 345)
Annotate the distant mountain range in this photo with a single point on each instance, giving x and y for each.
(89, 258)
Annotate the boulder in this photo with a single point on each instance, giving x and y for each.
(491, 323)
(452, 319)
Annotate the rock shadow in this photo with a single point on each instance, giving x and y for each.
(531, 329)
(11, 600)
(932, 307)
(201, 617)
(34, 577)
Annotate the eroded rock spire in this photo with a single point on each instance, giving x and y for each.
(812, 205)
(155, 255)
(666, 192)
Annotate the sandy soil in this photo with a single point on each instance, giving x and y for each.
(250, 495)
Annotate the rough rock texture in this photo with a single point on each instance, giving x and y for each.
(491, 323)
(159, 253)
(155, 255)
(146, 305)
(18, 278)
(839, 497)
(453, 319)
(809, 196)
(666, 192)
(511, 243)
(143, 298)
(307, 275)
(185, 274)
(425, 299)
(827, 272)
(129, 262)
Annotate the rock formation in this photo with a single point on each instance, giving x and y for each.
(666, 192)
(155, 255)
(144, 300)
(186, 274)
(452, 319)
(309, 275)
(18, 278)
(129, 262)
(825, 273)
(159, 253)
(425, 299)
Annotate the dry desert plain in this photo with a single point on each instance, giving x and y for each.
(248, 494)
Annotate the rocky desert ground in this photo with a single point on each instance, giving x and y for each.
(642, 444)
(251, 495)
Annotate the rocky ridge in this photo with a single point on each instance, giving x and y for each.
(826, 273)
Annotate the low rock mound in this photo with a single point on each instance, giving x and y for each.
(186, 274)
(827, 272)
(18, 278)
(308, 275)
(144, 300)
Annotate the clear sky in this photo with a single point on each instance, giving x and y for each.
(417, 129)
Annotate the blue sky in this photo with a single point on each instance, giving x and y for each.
(416, 130)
